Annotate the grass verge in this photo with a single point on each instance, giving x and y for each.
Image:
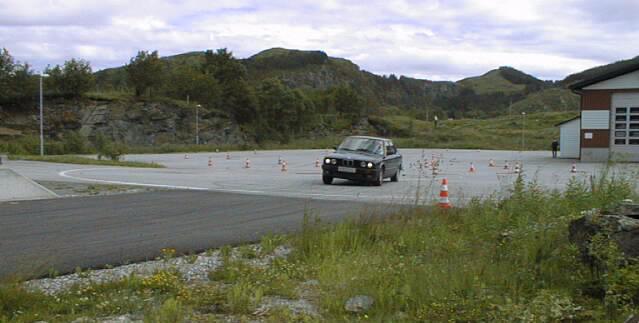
(71, 159)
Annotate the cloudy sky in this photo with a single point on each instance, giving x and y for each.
(438, 40)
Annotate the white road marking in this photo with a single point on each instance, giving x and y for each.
(66, 174)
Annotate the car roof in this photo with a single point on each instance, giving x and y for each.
(370, 137)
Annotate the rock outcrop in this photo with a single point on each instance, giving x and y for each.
(621, 225)
(131, 123)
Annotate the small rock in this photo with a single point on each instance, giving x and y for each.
(632, 319)
(359, 304)
(120, 319)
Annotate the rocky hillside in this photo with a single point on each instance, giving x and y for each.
(135, 123)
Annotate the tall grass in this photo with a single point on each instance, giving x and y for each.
(491, 261)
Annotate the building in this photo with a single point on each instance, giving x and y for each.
(569, 134)
(609, 127)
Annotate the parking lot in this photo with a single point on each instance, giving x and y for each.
(302, 178)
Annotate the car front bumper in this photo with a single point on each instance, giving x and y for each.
(361, 174)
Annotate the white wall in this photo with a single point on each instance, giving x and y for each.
(569, 136)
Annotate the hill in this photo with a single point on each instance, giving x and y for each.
(487, 95)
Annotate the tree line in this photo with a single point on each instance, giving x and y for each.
(268, 110)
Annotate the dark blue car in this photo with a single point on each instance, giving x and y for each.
(364, 159)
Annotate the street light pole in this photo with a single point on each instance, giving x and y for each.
(197, 125)
(523, 129)
(41, 116)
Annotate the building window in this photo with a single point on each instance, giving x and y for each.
(626, 118)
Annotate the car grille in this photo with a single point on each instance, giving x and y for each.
(348, 163)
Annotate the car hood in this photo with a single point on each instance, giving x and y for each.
(355, 156)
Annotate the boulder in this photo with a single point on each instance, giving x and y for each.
(359, 304)
(620, 224)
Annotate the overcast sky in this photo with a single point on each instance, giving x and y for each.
(438, 40)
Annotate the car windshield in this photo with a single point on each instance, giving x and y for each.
(367, 145)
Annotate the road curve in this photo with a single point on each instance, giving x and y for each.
(95, 231)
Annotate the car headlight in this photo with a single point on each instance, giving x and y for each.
(370, 165)
(327, 161)
(362, 164)
(333, 161)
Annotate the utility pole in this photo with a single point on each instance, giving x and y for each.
(197, 125)
(523, 129)
(42, 75)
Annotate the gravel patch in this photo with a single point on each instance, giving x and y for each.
(68, 189)
(193, 269)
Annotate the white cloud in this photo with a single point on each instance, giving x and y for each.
(429, 39)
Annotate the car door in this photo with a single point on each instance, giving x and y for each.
(393, 159)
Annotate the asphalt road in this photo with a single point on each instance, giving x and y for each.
(303, 179)
(95, 231)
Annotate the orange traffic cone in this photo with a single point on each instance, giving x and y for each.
(210, 162)
(574, 168)
(517, 168)
(444, 202)
(506, 165)
(247, 163)
(472, 168)
(435, 170)
(491, 163)
(284, 166)
(317, 163)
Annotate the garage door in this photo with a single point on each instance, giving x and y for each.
(625, 127)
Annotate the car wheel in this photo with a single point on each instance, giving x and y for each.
(395, 177)
(327, 180)
(380, 178)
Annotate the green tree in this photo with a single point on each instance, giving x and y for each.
(73, 79)
(6, 72)
(17, 83)
(282, 112)
(347, 102)
(236, 96)
(188, 80)
(145, 72)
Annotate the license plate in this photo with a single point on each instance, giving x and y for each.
(346, 169)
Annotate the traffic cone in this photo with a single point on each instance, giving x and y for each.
(517, 168)
(228, 156)
(317, 163)
(284, 166)
(210, 162)
(506, 165)
(472, 168)
(574, 168)
(491, 163)
(247, 163)
(435, 170)
(444, 202)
